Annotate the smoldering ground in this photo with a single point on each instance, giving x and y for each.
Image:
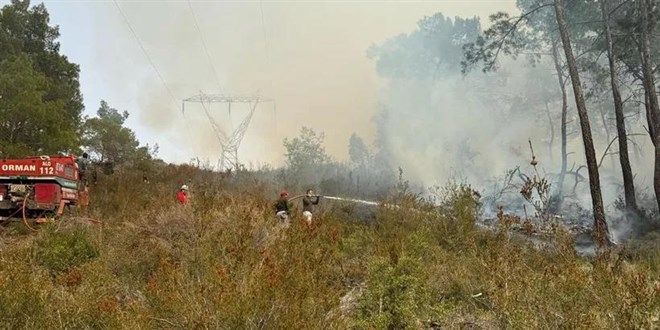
(443, 126)
(475, 128)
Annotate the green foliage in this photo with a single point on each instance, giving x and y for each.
(106, 137)
(29, 124)
(40, 102)
(306, 158)
(60, 251)
(432, 50)
(532, 33)
(393, 298)
(306, 150)
(627, 29)
(506, 36)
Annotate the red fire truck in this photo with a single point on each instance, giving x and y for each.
(39, 186)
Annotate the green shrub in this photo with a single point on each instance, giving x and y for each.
(394, 297)
(22, 291)
(59, 251)
(224, 262)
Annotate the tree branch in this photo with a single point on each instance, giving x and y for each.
(605, 153)
(500, 42)
(617, 7)
(515, 25)
(578, 177)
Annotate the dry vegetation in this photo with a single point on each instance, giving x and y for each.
(224, 262)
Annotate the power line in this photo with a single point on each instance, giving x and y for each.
(270, 62)
(160, 76)
(269, 59)
(153, 65)
(206, 50)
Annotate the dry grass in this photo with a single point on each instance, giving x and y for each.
(224, 262)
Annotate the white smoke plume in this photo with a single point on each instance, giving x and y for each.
(308, 56)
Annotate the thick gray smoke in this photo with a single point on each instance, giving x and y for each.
(309, 57)
(444, 126)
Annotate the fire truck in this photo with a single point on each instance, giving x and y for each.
(37, 187)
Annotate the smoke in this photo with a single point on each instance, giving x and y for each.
(309, 57)
(474, 128)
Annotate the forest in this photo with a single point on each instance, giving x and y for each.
(504, 144)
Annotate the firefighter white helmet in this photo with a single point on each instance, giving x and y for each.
(184, 187)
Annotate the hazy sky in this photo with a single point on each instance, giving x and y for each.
(310, 56)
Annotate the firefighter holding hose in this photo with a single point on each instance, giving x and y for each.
(309, 201)
(282, 208)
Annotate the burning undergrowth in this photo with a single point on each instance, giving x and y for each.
(530, 202)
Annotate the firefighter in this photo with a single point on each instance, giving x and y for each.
(182, 195)
(308, 205)
(282, 207)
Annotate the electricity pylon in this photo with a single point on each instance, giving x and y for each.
(229, 143)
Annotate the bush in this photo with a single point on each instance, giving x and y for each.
(225, 262)
(59, 251)
(22, 289)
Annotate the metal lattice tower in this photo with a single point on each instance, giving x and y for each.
(229, 143)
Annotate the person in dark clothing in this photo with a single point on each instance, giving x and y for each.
(83, 163)
(282, 207)
(308, 205)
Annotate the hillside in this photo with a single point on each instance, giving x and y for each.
(483, 167)
(224, 262)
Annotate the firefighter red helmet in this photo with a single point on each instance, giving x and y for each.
(283, 193)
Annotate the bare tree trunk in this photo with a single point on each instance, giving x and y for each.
(552, 132)
(608, 135)
(649, 116)
(564, 110)
(600, 225)
(649, 86)
(628, 183)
